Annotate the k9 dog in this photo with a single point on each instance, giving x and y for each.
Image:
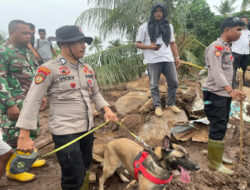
(152, 169)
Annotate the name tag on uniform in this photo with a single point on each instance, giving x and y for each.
(89, 75)
(66, 78)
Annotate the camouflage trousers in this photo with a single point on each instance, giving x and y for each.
(11, 133)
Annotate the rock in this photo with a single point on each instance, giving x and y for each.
(201, 135)
(204, 152)
(147, 107)
(141, 84)
(132, 121)
(115, 94)
(242, 185)
(188, 96)
(130, 102)
(153, 131)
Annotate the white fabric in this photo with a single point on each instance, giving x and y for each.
(241, 46)
(164, 54)
(4, 147)
(44, 48)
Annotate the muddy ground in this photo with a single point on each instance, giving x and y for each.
(48, 177)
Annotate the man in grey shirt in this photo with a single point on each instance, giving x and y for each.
(44, 47)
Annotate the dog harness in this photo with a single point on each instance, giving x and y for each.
(139, 167)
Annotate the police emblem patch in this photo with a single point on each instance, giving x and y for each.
(64, 71)
(44, 70)
(217, 53)
(39, 78)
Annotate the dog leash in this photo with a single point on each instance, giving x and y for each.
(192, 64)
(73, 141)
(91, 131)
(135, 136)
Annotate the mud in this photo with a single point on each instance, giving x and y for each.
(48, 177)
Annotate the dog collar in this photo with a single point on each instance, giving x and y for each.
(138, 167)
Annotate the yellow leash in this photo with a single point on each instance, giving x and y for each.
(77, 139)
(91, 131)
(192, 64)
(135, 136)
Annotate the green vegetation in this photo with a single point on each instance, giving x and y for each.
(194, 23)
(96, 45)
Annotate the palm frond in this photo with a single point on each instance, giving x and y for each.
(116, 65)
(121, 16)
(245, 4)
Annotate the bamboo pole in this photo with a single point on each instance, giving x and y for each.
(240, 79)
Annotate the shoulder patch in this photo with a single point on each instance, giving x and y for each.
(44, 70)
(217, 53)
(39, 78)
(219, 48)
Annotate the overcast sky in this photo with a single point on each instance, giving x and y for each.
(51, 14)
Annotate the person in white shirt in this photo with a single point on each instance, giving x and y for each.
(156, 39)
(240, 50)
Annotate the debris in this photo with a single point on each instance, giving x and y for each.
(195, 130)
(242, 185)
(235, 110)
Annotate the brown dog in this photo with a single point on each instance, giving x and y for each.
(159, 163)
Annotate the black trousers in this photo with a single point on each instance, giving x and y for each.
(217, 109)
(74, 160)
(240, 61)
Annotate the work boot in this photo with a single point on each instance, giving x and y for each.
(227, 160)
(22, 177)
(224, 159)
(174, 108)
(215, 154)
(38, 163)
(85, 185)
(158, 111)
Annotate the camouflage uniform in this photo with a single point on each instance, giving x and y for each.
(17, 69)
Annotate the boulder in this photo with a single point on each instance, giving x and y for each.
(147, 107)
(143, 84)
(132, 121)
(132, 101)
(153, 131)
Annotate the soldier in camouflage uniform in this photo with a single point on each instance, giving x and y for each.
(17, 69)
